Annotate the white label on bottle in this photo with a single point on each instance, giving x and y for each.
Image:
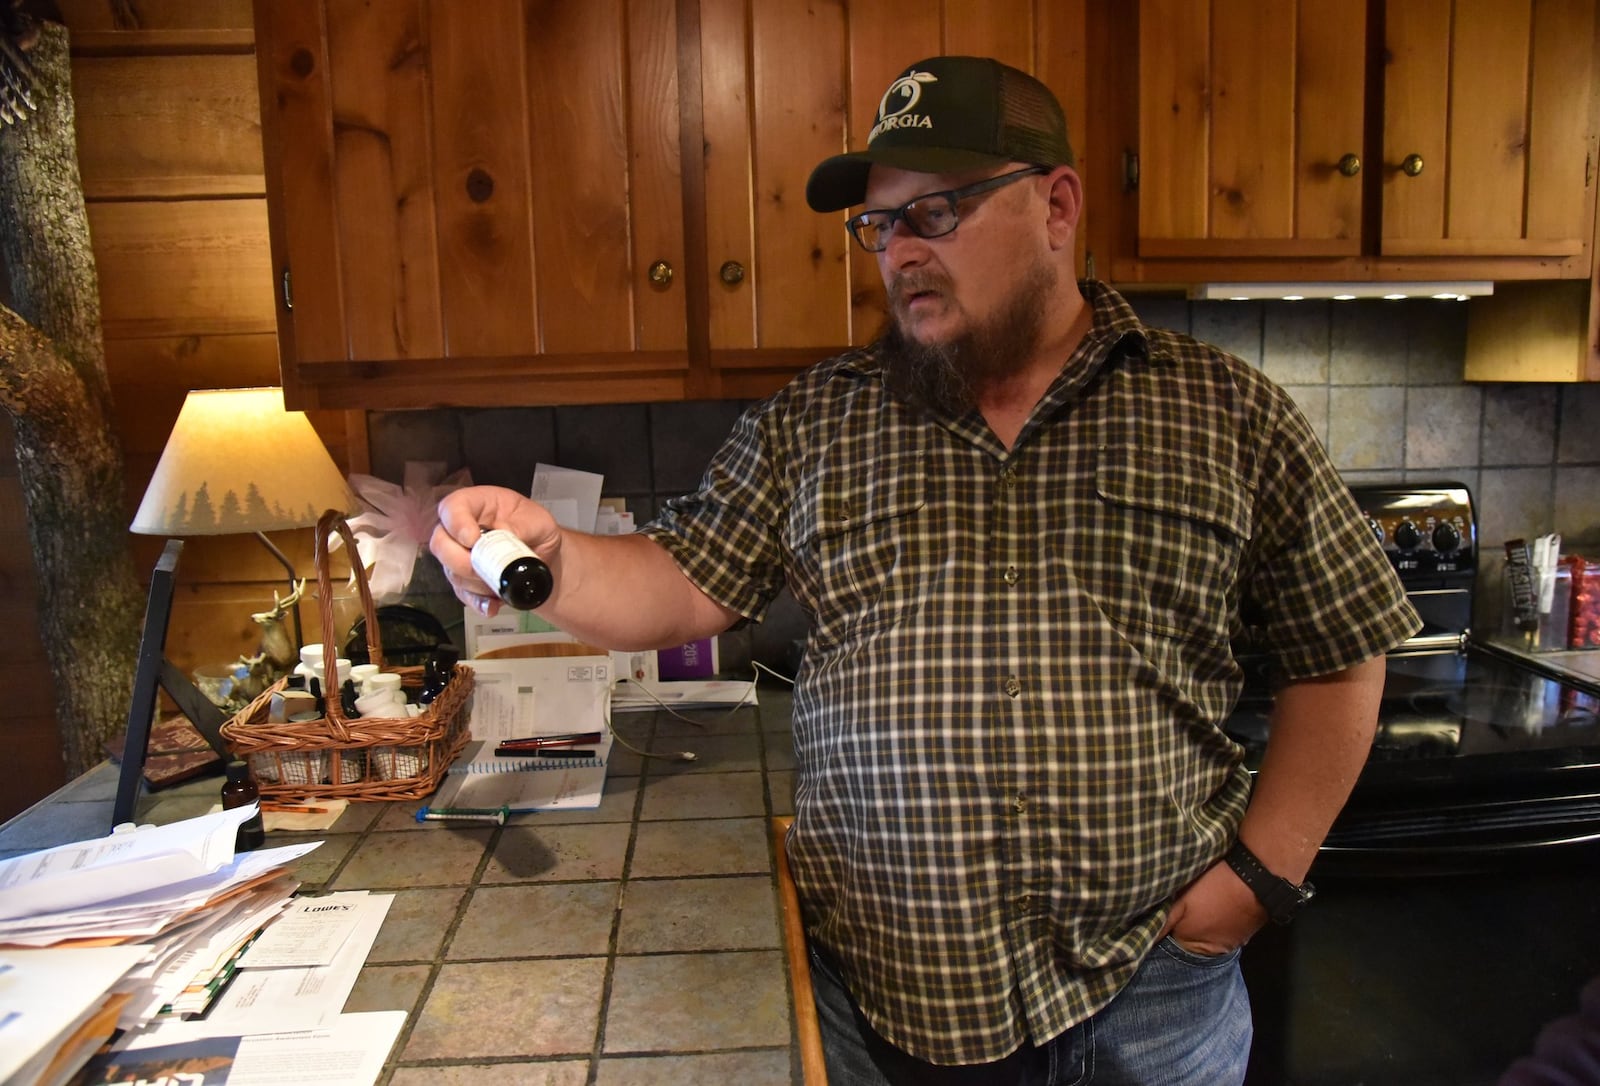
(493, 552)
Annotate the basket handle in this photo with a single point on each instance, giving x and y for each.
(330, 522)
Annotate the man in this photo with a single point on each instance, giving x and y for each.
(1029, 533)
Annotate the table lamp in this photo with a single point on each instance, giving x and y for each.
(236, 461)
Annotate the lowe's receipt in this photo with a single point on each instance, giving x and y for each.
(308, 933)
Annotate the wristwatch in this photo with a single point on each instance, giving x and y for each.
(1280, 897)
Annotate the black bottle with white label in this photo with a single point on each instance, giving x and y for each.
(505, 564)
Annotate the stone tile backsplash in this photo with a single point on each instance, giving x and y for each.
(1379, 381)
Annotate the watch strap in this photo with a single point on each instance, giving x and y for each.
(1281, 898)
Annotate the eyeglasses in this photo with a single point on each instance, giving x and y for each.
(931, 215)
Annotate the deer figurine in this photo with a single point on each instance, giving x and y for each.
(276, 655)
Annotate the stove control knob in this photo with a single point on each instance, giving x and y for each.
(1406, 536)
(1446, 537)
(1377, 529)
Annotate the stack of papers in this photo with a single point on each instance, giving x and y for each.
(130, 938)
(132, 883)
(57, 1007)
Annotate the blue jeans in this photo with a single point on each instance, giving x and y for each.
(1183, 1018)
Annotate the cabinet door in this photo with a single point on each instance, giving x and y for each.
(1486, 145)
(458, 187)
(1250, 127)
(784, 86)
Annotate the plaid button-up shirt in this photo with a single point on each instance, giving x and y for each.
(1007, 722)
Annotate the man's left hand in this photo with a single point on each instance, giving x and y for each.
(1215, 913)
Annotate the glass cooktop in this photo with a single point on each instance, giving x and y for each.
(1476, 758)
(1457, 704)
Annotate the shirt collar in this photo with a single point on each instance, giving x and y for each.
(1116, 336)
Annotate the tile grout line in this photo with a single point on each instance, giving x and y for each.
(441, 951)
(609, 981)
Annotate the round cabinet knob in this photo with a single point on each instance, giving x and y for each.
(1446, 537)
(661, 273)
(1411, 165)
(732, 273)
(1406, 536)
(1350, 165)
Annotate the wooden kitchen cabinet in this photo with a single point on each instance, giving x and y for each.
(1348, 139)
(1535, 332)
(1246, 110)
(784, 86)
(516, 201)
(1498, 94)
(474, 202)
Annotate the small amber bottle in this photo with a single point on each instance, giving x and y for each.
(240, 789)
(437, 671)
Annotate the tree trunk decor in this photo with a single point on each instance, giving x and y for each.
(53, 384)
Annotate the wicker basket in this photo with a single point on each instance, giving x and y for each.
(366, 758)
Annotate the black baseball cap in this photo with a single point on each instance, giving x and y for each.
(946, 115)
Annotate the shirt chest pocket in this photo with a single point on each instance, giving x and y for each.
(859, 540)
(1178, 529)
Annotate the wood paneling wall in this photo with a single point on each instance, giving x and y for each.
(169, 147)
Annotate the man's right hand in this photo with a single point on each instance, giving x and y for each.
(465, 513)
(617, 592)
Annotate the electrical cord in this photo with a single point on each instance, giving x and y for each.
(759, 666)
(682, 755)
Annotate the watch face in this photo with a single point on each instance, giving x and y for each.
(1289, 899)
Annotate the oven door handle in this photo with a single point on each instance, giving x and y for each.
(1494, 848)
(1405, 860)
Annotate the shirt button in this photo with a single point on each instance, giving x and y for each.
(1008, 476)
(1013, 687)
(1012, 576)
(1024, 902)
(1020, 804)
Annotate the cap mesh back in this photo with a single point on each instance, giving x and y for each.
(1032, 127)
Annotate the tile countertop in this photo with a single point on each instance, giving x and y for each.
(638, 944)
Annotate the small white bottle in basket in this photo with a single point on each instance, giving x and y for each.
(383, 696)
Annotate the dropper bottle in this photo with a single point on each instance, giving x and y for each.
(507, 565)
(239, 790)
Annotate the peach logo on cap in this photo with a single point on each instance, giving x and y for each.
(899, 115)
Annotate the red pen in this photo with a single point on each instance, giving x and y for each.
(536, 742)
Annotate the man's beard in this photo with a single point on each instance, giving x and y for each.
(949, 377)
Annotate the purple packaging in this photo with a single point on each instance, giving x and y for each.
(692, 660)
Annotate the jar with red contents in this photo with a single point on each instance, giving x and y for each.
(1583, 616)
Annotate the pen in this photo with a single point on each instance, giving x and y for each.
(545, 752)
(464, 814)
(533, 741)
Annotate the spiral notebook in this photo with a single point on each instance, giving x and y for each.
(478, 778)
(520, 698)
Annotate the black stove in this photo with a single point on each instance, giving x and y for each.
(1478, 753)
(1459, 890)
